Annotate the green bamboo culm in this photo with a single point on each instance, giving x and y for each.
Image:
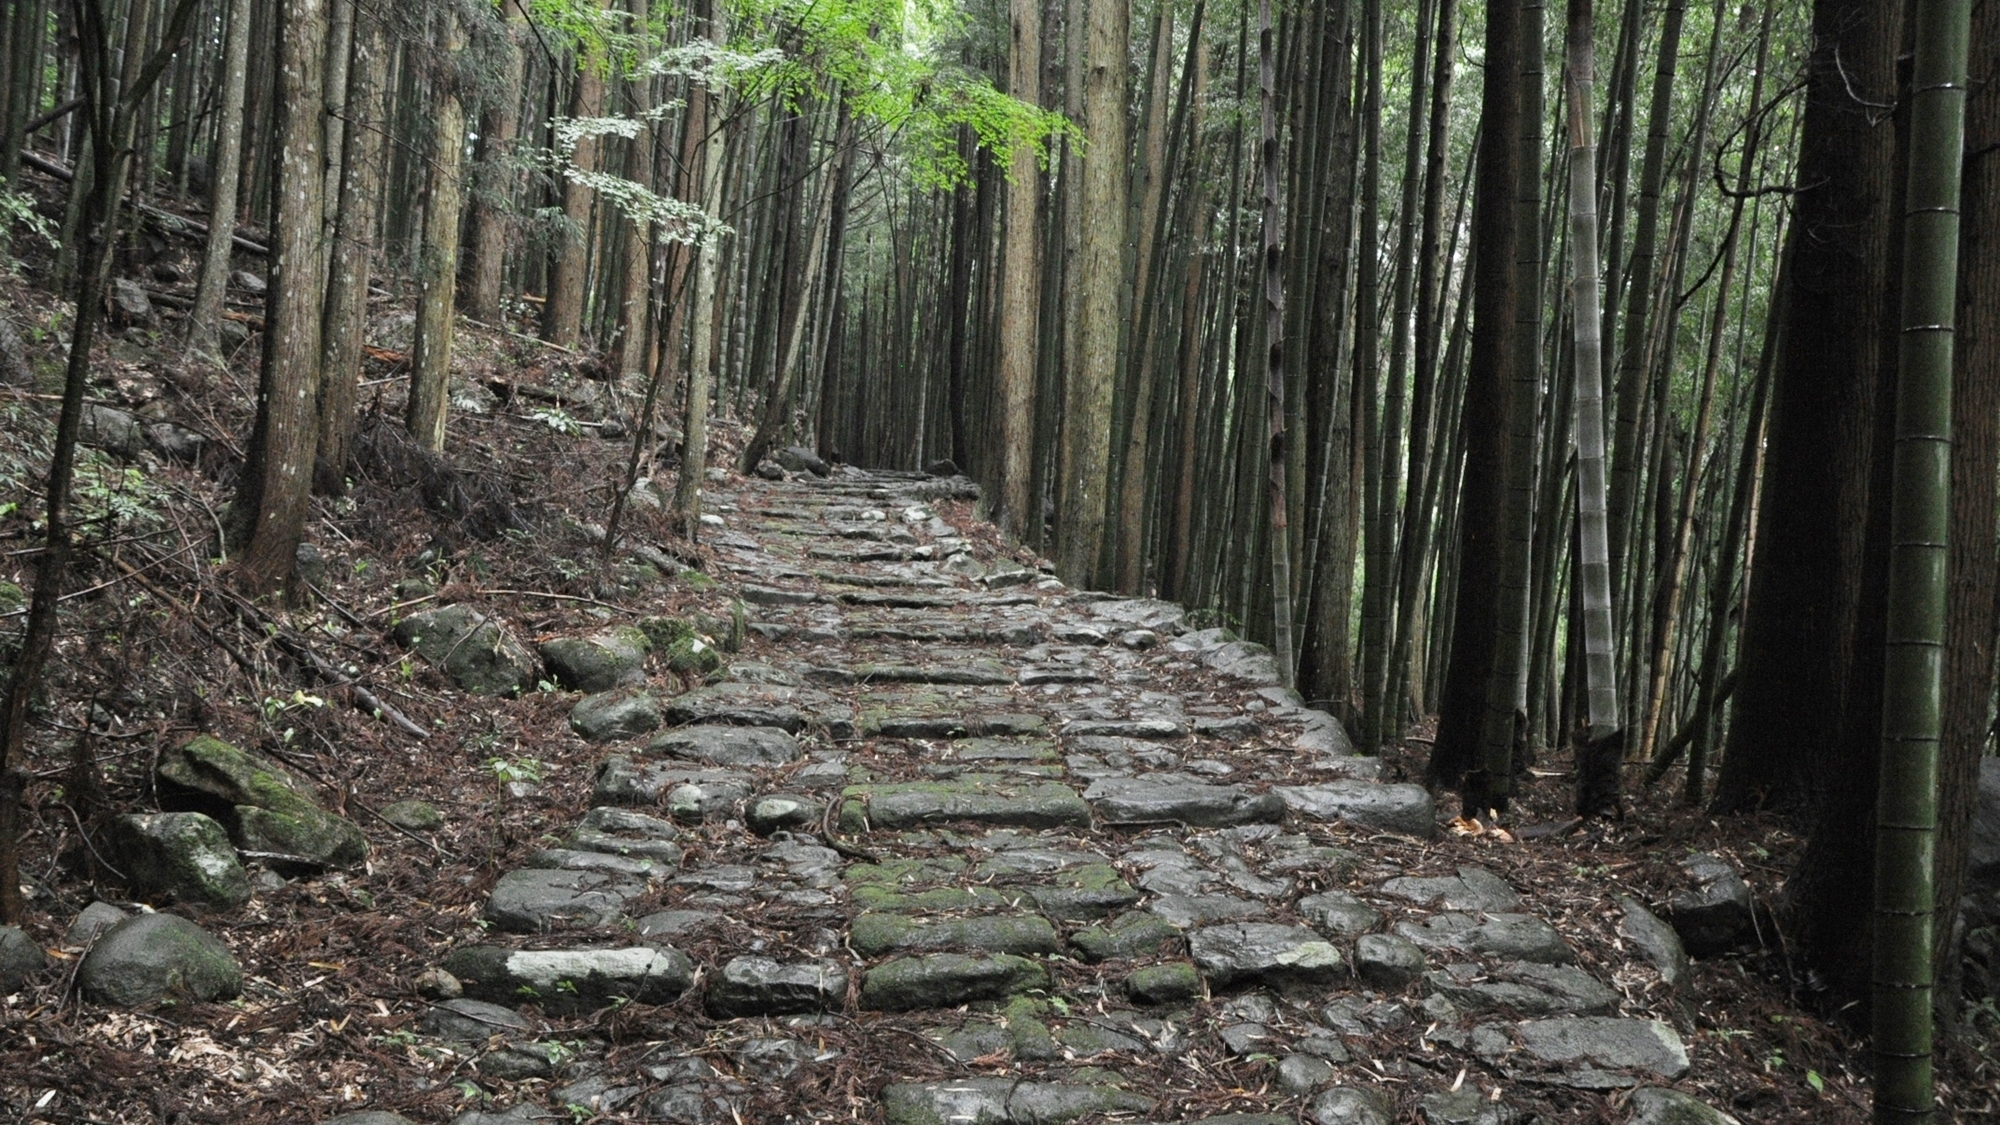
(1906, 802)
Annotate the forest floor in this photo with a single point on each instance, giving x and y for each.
(1041, 855)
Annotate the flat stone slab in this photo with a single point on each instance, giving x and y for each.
(1387, 961)
(760, 705)
(1513, 937)
(946, 980)
(1594, 1047)
(1003, 1101)
(974, 671)
(1026, 750)
(1125, 728)
(1656, 1105)
(1129, 935)
(761, 747)
(612, 715)
(1188, 911)
(973, 798)
(1522, 987)
(944, 712)
(1404, 809)
(464, 1020)
(571, 981)
(761, 986)
(1652, 937)
(624, 832)
(1473, 888)
(1338, 913)
(1283, 957)
(1179, 798)
(534, 900)
(872, 935)
(1347, 1105)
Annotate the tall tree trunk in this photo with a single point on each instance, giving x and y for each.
(269, 511)
(437, 268)
(1274, 343)
(562, 310)
(205, 321)
(1488, 399)
(346, 316)
(702, 106)
(1906, 812)
(1094, 296)
(629, 357)
(1021, 279)
(1598, 757)
(495, 176)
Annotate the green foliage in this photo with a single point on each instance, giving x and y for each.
(17, 209)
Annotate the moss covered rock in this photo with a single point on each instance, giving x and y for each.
(183, 856)
(152, 957)
(477, 653)
(265, 807)
(600, 662)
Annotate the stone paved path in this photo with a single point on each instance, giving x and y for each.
(1053, 856)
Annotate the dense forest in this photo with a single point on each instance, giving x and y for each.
(1607, 395)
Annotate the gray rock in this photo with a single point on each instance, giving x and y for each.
(94, 920)
(1595, 1044)
(777, 595)
(522, 1114)
(991, 799)
(774, 1059)
(760, 986)
(111, 430)
(1513, 937)
(417, 816)
(774, 812)
(515, 1062)
(181, 856)
(264, 806)
(151, 957)
(534, 900)
(1473, 888)
(946, 980)
(1338, 913)
(1653, 938)
(1129, 935)
(20, 958)
(673, 923)
(129, 303)
(1300, 1074)
(770, 470)
(596, 1093)
(174, 443)
(614, 714)
(1125, 728)
(598, 663)
(1346, 1105)
(1177, 797)
(1523, 987)
(616, 831)
(1405, 809)
(1250, 1119)
(1165, 985)
(1283, 957)
(571, 981)
(1715, 914)
(799, 459)
(874, 934)
(1189, 911)
(1464, 1106)
(370, 1117)
(473, 651)
(1657, 1105)
(760, 705)
(471, 1021)
(583, 859)
(1387, 962)
(761, 747)
(251, 283)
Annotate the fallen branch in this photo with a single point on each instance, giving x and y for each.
(178, 224)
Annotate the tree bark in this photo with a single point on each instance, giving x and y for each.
(346, 317)
(437, 269)
(496, 178)
(562, 310)
(205, 321)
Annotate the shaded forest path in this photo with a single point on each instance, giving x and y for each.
(948, 842)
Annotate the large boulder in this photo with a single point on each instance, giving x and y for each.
(264, 806)
(476, 652)
(1715, 913)
(150, 957)
(183, 856)
(598, 663)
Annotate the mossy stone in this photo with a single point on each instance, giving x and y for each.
(151, 957)
(1137, 934)
(263, 804)
(875, 934)
(598, 663)
(417, 816)
(1164, 984)
(946, 980)
(183, 856)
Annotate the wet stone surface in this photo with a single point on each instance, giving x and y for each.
(1051, 856)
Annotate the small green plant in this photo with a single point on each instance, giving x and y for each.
(556, 419)
(1775, 1060)
(401, 1037)
(1817, 1083)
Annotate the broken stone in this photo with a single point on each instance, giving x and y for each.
(760, 986)
(623, 832)
(1515, 937)
(94, 920)
(129, 303)
(1715, 914)
(475, 652)
(1654, 939)
(20, 959)
(1464, 1106)
(1523, 987)
(775, 812)
(181, 856)
(598, 663)
(621, 781)
(1338, 913)
(265, 807)
(1164, 985)
(1300, 1074)
(1345, 1105)
(416, 816)
(1473, 888)
(1657, 1105)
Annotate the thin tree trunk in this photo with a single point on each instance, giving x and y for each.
(562, 311)
(346, 315)
(499, 124)
(437, 267)
(694, 430)
(205, 321)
